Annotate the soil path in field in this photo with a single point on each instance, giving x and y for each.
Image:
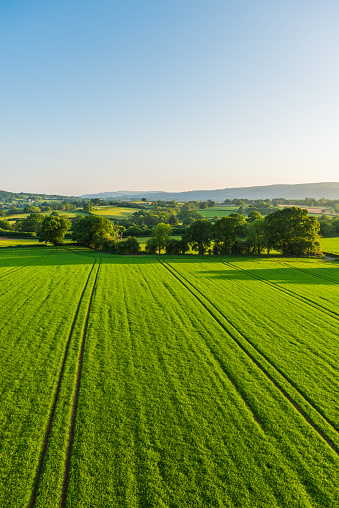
(56, 397)
(76, 397)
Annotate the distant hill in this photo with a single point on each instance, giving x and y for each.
(328, 190)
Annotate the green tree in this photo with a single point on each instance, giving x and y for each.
(293, 232)
(175, 246)
(94, 232)
(256, 236)
(225, 232)
(32, 223)
(13, 211)
(88, 207)
(5, 225)
(53, 229)
(254, 215)
(160, 234)
(128, 246)
(200, 235)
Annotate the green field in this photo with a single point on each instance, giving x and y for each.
(330, 245)
(218, 211)
(114, 212)
(167, 381)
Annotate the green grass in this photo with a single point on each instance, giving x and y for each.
(14, 242)
(114, 212)
(218, 211)
(330, 245)
(193, 369)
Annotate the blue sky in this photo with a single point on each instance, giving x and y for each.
(167, 95)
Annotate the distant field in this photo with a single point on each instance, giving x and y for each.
(218, 211)
(62, 213)
(13, 242)
(114, 212)
(202, 381)
(7, 242)
(330, 245)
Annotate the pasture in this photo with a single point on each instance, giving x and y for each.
(167, 381)
(330, 245)
(218, 211)
(114, 212)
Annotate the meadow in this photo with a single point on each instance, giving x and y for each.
(218, 211)
(167, 381)
(114, 212)
(330, 245)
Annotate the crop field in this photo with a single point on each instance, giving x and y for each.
(12, 242)
(218, 211)
(114, 212)
(167, 381)
(330, 245)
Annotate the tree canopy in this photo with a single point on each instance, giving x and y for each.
(53, 229)
(293, 231)
(94, 231)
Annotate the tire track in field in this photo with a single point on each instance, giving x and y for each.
(16, 269)
(289, 292)
(178, 276)
(56, 397)
(76, 398)
(219, 362)
(308, 273)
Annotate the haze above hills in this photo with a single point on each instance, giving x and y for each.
(328, 190)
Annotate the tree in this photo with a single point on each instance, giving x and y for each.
(254, 215)
(129, 246)
(87, 207)
(32, 223)
(94, 232)
(256, 236)
(53, 229)
(225, 232)
(173, 221)
(200, 234)
(160, 234)
(293, 231)
(13, 211)
(5, 225)
(175, 246)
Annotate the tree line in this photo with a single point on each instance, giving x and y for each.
(290, 230)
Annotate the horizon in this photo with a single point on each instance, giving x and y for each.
(172, 96)
(133, 192)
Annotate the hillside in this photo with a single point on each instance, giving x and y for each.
(328, 190)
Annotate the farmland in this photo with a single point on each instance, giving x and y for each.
(330, 245)
(167, 381)
(114, 212)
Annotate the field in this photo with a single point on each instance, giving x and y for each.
(330, 245)
(114, 212)
(218, 211)
(167, 381)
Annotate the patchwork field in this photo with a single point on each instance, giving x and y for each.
(167, 381)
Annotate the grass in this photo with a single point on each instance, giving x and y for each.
(199, 380)
(218, 211)
(114, 212)
(330, 245)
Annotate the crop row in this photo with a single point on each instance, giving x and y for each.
(172, 412)
(299, 340)
(38, 304)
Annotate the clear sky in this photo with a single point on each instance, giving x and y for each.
(167, 94)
